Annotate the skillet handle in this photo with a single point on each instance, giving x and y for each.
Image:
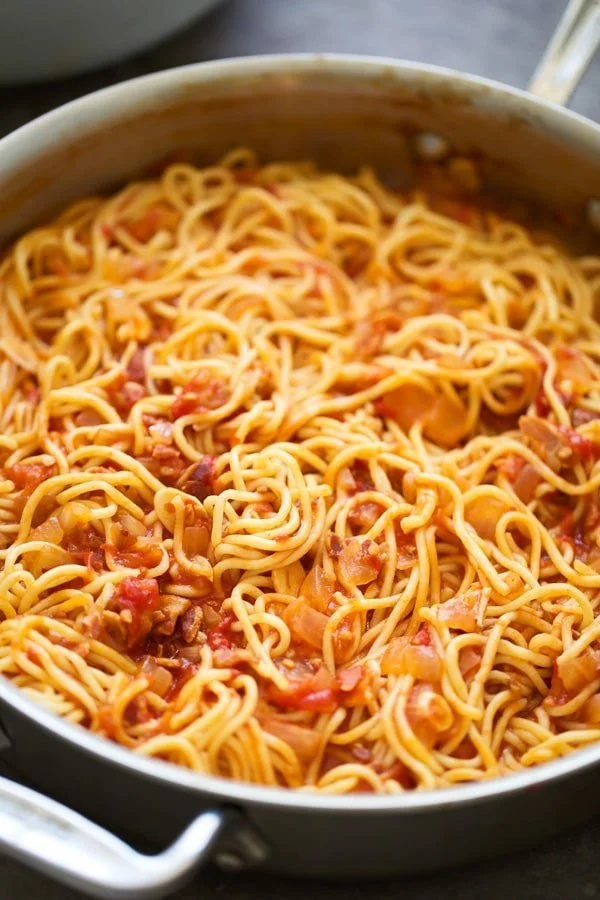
(64, 845)
(569, 52)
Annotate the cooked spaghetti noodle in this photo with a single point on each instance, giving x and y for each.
(300, 479)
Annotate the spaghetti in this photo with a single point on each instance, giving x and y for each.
(300, 479)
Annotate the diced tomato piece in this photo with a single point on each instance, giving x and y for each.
(141, 597)
(219, 637)
(184, 405)
(85, 545)
(135, 553)
(542, 404)
(581, 445)
(181, 674)
(27, 476)
(423, 636)
(316, 692)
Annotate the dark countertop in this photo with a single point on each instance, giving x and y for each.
(501, 39)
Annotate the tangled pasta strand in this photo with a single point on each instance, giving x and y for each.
(300, 479)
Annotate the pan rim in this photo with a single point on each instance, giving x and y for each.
(54, 127)
(226, 790)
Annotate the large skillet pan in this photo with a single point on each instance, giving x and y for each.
(343, 111)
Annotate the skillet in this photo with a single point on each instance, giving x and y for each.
(343, 111)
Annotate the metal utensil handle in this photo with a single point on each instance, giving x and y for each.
(569, 52)
(66, 846)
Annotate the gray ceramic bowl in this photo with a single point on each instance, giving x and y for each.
(46, 39)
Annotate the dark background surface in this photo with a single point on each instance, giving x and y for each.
(500, 39)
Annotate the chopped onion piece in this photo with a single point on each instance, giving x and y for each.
(405, 658)
(318, 589)
(547, 441)
(305, 623)
(161, 432)
(49, 558)
(469, 660)
(526, 483)
(129, 525)
(303, 741)
(50, 531)
(74, 514)
(590, 713)
(161, 680)
(357, 561)
(577, 673)
(458, 613)
(195, 540)
(483, 513)
(428, 713)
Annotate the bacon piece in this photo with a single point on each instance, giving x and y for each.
(200, 481)
(202, 393)
(124, 393)
(165, 621)
(349, 679)
(191, 622)
(583, 416)
(165, 462)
